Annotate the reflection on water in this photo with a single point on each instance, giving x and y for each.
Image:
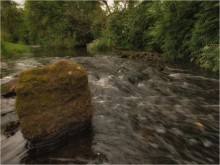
(142, 115)
(74, 150)
(46, 52)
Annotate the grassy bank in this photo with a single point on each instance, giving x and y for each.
(99, 45)
(10, 49)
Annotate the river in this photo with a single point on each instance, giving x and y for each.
(141, 114)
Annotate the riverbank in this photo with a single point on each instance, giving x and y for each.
(159, 60)
(207, 58)
(9, 49)
(149, 56)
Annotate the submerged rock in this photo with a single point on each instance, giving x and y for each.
(11, 128)
(136, 55)
(52, 101)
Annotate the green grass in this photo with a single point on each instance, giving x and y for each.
(10, 49)
(100, 45)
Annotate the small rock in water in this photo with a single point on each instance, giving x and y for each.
(175, 75)
(207, 143)
(160, 130)
(176, 131)
(11, 128)
(193, 141)
(100, 158)
(140, 85)
(7, 89)
(154, 145)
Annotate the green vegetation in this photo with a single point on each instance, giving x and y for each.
(11, 22)
(209, 58)
(184, 31)
(100, 45)
(61, 23)
(11, 49)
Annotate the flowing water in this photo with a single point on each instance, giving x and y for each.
(141, 114)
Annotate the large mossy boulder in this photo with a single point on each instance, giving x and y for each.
(53, 100)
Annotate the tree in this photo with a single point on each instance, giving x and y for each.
(204, 43)
(174, 28)
(61, 23)
(126, 25)
(11, 21)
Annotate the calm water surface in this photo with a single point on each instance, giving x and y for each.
(141, 114)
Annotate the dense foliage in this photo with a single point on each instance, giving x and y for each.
(181, 30)
(12, 25)
(61, 24)
(204, 43)
(11, 21)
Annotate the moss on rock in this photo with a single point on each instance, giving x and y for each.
(53, 98)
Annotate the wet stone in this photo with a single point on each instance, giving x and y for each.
(176, 132)
(11, 128)
(7, 89)
(207, 143)
(160, 129)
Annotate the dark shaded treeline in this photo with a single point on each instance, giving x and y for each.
(182, 30)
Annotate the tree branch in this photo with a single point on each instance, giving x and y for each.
(106, 5)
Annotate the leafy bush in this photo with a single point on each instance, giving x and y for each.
(173, 30)
(206, 29)
(126, 28)
(209, 58)
(98, 45)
